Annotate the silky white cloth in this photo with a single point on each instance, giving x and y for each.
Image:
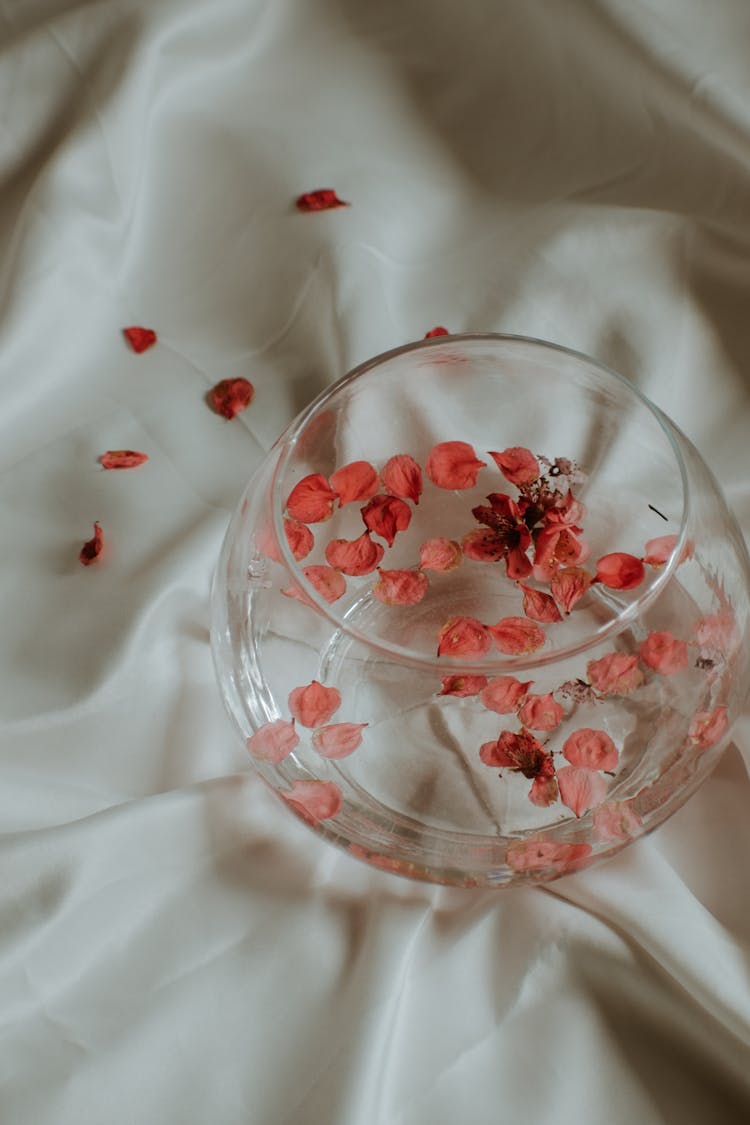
(174, 947)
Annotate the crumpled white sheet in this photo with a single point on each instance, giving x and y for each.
(174, 947)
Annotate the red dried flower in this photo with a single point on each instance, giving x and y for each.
(453, 465)
(231, 396)
(122, 459)
(311, 500)
(438, 331)
(356, 481)
(354, 556)
(463, 636)
(140, 339)
(92, 548)
(400, 587)
(322, 199)
(509, 536)
(402, 477)
(518, 751)
(386, 516)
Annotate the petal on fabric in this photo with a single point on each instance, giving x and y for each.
(402, 477)
(664, 653)
(591, 749)
(92, 548)
(620, 571)
(311, 500)
(503, 694)
(453, 465)
(386, 516)
(617, 673)
(541, 712)
(338, 740)
(122, 459)
(140, 339)
(354, 556)
(299, 537)
(483, 545)
(329, 583)
(517, 464)
(356, 481)
(581, 789)
(659, 551)
(321, 199)
(230, 397)
(312, 705)
(314, 800)
(462, 686)
(569, 585)
(400, 587)
(539, 606)
(544, 791)
(440, 555)
(437, 331)
(463, 636)
(516, 636)
(273, 741)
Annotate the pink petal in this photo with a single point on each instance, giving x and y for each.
(321, 199)
(438, 331)
(400, 587)
(354, 482)
(620, 571)
(490, 755)
(503, 694)
(717, 634)
(354, 556)
(440, 555)
(311, 500)
(329, 583)
(519, 750)
(402, 477)
(314, 800)
(463, 636)
(453, 465)
(591, 749)
(386, 516)
(518, 565)
(92, 548)
(273, 741)
(140, 339)
(483, 545)
(617, 673)
(299, 537)
(659, 551)
(664, 653)
(462, 686)
(708, 727)
(541, 855)
(544, 791)
(516, 636)
(581, 789)
(230, 397)
(338, 740)
(557, 547)
(539, 606)
(122, 459)
(541, 712)
(569, 585)
(517, 464)
(313, 704)
(616, 820)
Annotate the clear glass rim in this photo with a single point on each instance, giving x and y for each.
(492, 666)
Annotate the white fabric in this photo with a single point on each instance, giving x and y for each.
(174, 947)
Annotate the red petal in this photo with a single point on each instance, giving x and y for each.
(542, 855)
(400, 587)
(440, 555)
(519, 750)
(490, 755)
(463, 636)
(354, 556)
(322, 199)
(92, 548)
(273, 741)
(620, 571)
(591, 749)
(338, 740)
(329, 583)
(616, 820)
(517, 464)
(483, 545)
(386, 516)
(664, 653)
(311, 500)
(313, 704)
(122, 459)
(439, 331)
(541, 712)
(299, 537)
(462, 686)
(617, 673)
(659, 551)
(356, 481)
(581, 789)
(708, 727)
(518, 565)
(503, 694)
(544, 791)
(516, 636)
(453, 465)
(314, 800)
(569, 585)
(402, 477)
(231, 396)
(539, 606)
(140, 339)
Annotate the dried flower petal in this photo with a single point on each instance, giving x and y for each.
(338, 740)
(402, 477)
(438, 331)
(140, 339)
(122, 459)
(400, 587)
(659, 551)
(92, 548)
(517, 464)
(453, 465)
(581, 789)
(664, 653)
(386, 516)
(516, 636)
(483, 545)
(557, 547)
(546, 855)
(311, 500)
(463, 636)
(356, 481)
(329, 583)
(299, 537)
(541, 712)
(440, 555)
(544, 791)
(617, 673)
(503, 694)
(322, 199)
(518, 750)
(708, 727)
(354, 556)
(231, 396)
(462, 686)
(616, 820)
(620, 571)
(313, 704)
(591, 749)
(314, 800)
(539, 606)
(717, 634)
(569, 585)
(273, 741)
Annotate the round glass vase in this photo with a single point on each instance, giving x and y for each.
(481, 616)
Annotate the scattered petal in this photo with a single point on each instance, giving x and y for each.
(517, 464)
(557, 547)
(92, 548)
(400, 587)
(463, 636)
(717, 634)
(338, 740)
(273, 741)
(620, 571)
(322, 199)
(438, 331)
(314, 800)
(386, 516)
(544, 791)
(539, 606)
(453, 465)
(231, 396)
(615, 674)
(708, 727)
(354, 556)
(616, 820)
(659, 551)
(569, 585)
(402, 477)
(483, 545)
(311, 500)
(140, 339)
(581, 789)
(503, 694)
(122, 459)
(299, 537)
(516, 636)
(664, 653)
(547, 855)
(518, 565)
(518, 750)
(462, 686)
(440, 555)
(313, 704)
(591, 749)
(329, 583)
(541, 712)
(567, 512)
(356, 481)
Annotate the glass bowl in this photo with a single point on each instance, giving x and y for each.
(481, 616)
